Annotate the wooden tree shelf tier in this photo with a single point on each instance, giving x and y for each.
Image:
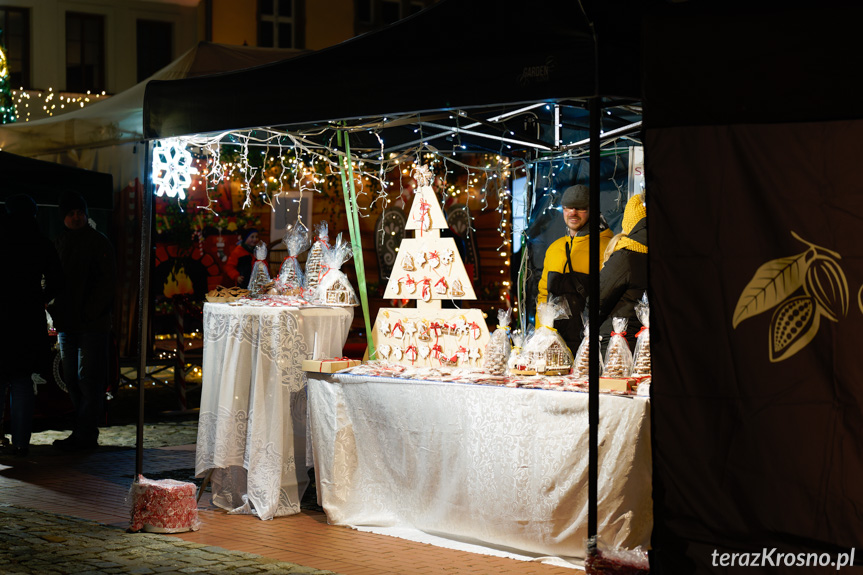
(423, 337)
(429, 269)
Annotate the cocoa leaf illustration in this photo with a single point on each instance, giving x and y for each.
(772, 283)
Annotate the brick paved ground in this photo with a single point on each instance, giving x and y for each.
(36, 542)
(67, 513)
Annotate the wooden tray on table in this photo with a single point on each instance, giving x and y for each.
(224, 295)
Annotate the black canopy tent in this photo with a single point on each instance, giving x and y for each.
(461, 71)
(44, 181)
(484, 55)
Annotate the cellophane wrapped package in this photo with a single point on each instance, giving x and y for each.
(334, 287)
(641, 356)
(498, 349)
(618, 358)
(516, 358)
(260, 271)
(546, 349)
(581, 365)
(316, 255)
(163, 506)
(290, 275)
(603, 560)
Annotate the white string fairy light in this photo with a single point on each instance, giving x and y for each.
(382, 192)
(309, 164)
(264, 191)
(214, 175)
(247, 170)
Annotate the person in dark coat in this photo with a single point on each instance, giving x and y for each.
(82, 316)
(623, 278)
(34, 275)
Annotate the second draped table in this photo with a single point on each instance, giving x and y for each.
(502, 468)
(252, 422)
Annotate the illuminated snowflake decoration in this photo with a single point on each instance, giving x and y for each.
(172, 168)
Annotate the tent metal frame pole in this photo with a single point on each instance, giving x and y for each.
(556, 127)
(143, 306)
(450, 131)
(595, 108)
(456, 131)
(621, 131)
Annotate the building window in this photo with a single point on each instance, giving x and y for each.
(85, 52)
(277, 24)
(155, 45)
(15, 39)
(374, 14)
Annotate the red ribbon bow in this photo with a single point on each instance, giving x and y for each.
(621, 334)
(424, 213)
(323, 361)
(411, 352)
(438, 350)
(435, 327)
(643, 329)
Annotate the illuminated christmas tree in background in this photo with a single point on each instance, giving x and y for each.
(7, 105)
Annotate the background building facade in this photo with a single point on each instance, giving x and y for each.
(84, 50)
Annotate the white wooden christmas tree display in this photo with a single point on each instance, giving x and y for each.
(429, 269)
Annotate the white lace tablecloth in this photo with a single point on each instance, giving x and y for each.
(502, 468)
(252, 423)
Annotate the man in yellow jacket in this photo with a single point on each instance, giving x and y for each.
(566, 266)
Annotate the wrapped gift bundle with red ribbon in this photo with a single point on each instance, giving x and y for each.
(163, 506)
(329, 365)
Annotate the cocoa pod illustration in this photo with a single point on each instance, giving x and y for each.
(825, 282)
(794, 324)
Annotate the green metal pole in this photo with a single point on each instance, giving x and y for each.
(347, 172)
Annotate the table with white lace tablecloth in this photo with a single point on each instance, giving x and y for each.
(502, 468)
(252, 422)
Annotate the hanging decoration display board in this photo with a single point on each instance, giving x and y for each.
(429, 269)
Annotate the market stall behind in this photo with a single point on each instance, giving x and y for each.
(106, 137)
(43, 181)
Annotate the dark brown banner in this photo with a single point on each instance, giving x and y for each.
(756, 275)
